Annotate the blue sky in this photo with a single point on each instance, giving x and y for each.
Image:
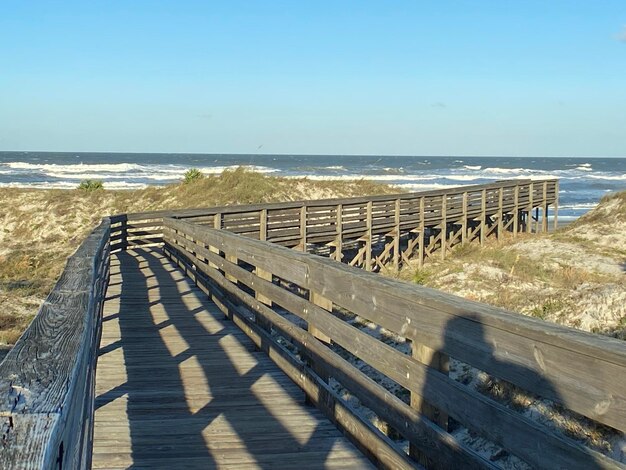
(340, 77)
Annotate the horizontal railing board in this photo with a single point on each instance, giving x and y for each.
(433, 441)
(531, 441)
(529, 343)
(190, 213)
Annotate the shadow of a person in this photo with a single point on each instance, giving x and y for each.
(467, 334)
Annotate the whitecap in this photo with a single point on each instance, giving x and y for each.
(609, 177)
(78, 168)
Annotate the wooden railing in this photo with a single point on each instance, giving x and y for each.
(262, 286)
(47, 379)
(374, 231)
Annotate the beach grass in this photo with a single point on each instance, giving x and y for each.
(40, 228)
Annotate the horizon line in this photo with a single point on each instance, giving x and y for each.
(312, 154)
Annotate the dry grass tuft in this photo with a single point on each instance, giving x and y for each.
(40, 228)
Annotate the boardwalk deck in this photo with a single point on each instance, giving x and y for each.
(179, 386)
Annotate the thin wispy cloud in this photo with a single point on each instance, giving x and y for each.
(621, 36)
(439, 104)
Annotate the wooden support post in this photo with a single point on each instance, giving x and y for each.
(464, 220)
(326, 304)
(516, 210)
(483, 216)
(217, 224)
(339, 236)
(544, 222)
(529, 217)
(266, 275)
(303, 242)
(556, 204)
(421, 234)
(444, 226)
(321, 371)
(396, 240)
(368, 237)
(263, 225)
(500, 212)
(440, 362)
(232, 259)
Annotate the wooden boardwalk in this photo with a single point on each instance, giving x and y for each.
(179, 386)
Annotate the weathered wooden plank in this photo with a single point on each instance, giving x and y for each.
(514, 432)
(491, 339)
(46, 379)
(256, 418)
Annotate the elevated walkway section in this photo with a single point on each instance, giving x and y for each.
(180, 386)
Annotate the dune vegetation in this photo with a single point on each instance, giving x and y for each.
(575, 276)
(39, 229)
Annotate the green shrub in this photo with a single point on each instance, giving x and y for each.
(192, 175)
(90, 185)
(421, 276)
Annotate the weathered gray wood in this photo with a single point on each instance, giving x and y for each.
(489, 338)
(186, 384)
(46, 379)
(514, 432)
(432, 440)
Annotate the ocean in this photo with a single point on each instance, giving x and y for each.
(583, 181)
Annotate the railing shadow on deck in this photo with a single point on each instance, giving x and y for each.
(213, 350)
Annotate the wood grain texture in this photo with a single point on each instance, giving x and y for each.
(583, 371)
(178, 385)
(46, 379)
(531, 441)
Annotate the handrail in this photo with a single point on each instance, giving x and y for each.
(47, 379)
(583, 372)
(474, 211)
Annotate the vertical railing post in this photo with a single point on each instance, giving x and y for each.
(464, 220)
(124, 234)
(324, 303)
(500, 212)
(263, 225)
(396, 240)
(303, 241)
(217, 224)
(339, 233)
(421, 234)
(483, 216)
(439, 362)
(516, 210)
(261, 273)
(368, 236)
(529, 218)
(544, 222)
(321, 371)
(556, 204)
(444, 225)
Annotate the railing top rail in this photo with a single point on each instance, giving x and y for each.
(557, 353)
(43, 379)
(184, 213)
(582, 371)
